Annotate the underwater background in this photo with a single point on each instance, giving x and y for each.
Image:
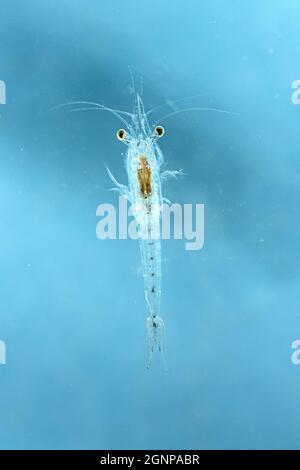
(72, 309)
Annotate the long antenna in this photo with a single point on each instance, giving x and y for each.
(132, 80)
(172, 102)
(195, 109)
(98, 107)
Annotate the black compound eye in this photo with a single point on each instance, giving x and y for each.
(159, 130)
(121, 134)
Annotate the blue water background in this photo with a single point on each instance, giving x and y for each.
(72, 310)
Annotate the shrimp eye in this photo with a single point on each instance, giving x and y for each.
(159, 130)
(121, 134)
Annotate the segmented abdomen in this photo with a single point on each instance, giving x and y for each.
(151, 261)
(146, 201)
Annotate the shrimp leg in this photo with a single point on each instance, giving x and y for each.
(121, 188)
(171, 174)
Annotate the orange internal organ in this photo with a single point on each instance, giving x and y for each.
(144, 176)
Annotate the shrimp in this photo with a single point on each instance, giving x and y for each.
(143, 163)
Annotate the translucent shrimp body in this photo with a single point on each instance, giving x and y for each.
(145, 193)
(143, 161)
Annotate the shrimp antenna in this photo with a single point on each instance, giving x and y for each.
(132, 79)
(216, 110)
(171, 102)
(142, 87)
(99, 107)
